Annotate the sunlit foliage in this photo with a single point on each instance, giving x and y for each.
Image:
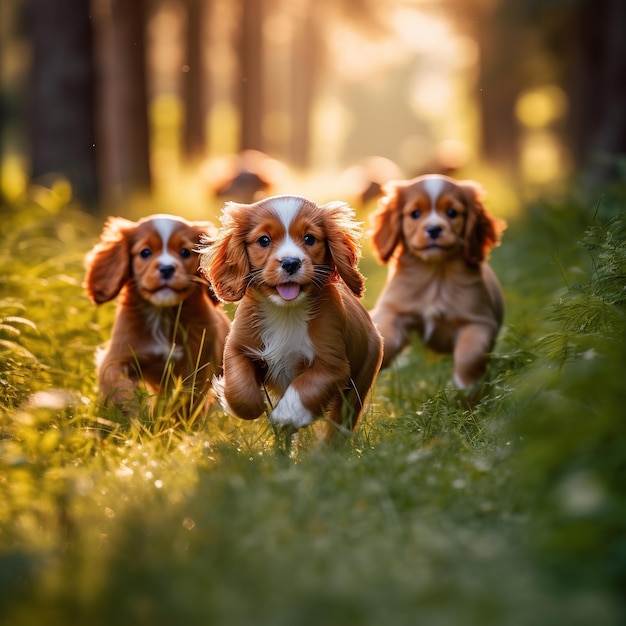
(510, 511)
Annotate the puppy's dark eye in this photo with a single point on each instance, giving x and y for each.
(415, 214)
(452, 213)
(264, 241)
(185, 253)
(309, 239)
(145, 253)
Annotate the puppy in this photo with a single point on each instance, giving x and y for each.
(435, 234)
(245, 177)
(364, 180)
(166, 316)
(300, 333)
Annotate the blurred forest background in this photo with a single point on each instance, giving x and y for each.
(123, 97)
(508, 513)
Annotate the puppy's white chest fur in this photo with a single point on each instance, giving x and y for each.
(431, 316)
(160, 327)
(286, 342)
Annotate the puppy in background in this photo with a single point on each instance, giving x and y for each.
(364, 180)
(435, 234)
(300, 333)
(166, 314)
(244, 177)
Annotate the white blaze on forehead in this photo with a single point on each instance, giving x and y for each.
(165, 227)
(286, 209)
(433, 187)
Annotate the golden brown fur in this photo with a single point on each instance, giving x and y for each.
(435, 234)
(300, 331)
(151, 267)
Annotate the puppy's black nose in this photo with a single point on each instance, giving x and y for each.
(167, 271)
(290, 265)
(434, 231)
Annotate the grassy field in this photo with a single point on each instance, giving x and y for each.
(511, 512)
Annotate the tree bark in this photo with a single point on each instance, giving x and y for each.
(305, 67)
(123, 100)
(498, 89)
(61, 111)
(250, 92)
(598, 89)
(195, 81)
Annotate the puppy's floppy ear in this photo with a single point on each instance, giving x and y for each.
(107, 265)
(482, 230)
(225, 260)
(343, 235)
(386, 221)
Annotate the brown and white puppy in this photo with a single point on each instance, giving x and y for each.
(165, 317)
(300, 332)
(435, 234)
(244, 177)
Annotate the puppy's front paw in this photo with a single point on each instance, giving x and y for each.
(291, 412)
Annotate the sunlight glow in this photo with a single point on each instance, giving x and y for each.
(331, 122)
(223, 128)
(430, 69)
(166, 114)
(420, 31)
(13, 179)
(414, 32)
(542, 159)
(432, 95)
(52, 198)
(355, 58)
(537, 108)
(432, 34)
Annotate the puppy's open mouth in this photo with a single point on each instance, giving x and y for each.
(288, 291)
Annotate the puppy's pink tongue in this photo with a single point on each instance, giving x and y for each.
(288, 291)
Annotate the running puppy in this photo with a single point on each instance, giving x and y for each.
(436, 234)
(300, 332)
(166, 315)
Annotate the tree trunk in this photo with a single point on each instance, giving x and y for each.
(305, 65)
(61, 95)
(195, 81)
(498, 88)
(598, 92)
(250, 92)
(123, 112)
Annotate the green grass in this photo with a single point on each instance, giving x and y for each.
(437, 512)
